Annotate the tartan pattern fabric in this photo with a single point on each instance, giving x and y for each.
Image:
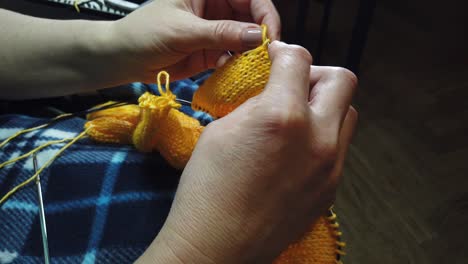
(103, 203)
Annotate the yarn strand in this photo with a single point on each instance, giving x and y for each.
(24, 131)
(34, 151)
(106, 105)
(33, 177)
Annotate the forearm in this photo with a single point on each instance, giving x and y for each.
(43, 57)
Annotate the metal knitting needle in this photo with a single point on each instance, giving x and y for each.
(184, 102)
(45, 243)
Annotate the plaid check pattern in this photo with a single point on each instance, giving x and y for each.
(103, 203)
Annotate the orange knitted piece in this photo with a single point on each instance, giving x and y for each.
(113, 125)
(319, 245)
(156, 124)
(174, 137)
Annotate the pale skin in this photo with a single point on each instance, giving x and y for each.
(259, 176)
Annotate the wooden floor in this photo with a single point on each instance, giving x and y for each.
(404, 198)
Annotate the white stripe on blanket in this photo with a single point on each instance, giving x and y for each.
(52, 133)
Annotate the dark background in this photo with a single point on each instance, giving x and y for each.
(404, 198)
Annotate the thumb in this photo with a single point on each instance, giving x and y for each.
(228, 35)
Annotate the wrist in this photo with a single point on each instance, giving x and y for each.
(196, 241)
(169, 247)
(100, 55)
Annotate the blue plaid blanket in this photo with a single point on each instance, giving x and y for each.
(103, 203)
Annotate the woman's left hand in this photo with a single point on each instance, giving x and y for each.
(186, 37)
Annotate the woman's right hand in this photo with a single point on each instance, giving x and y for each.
(261, 175)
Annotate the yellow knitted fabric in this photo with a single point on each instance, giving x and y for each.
(320, 245)
(157, 124)
(113, 125)
(154, 124)
(242, 77)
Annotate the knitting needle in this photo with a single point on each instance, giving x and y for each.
(183, 102)
(42, 219)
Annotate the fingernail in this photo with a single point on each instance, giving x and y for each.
(252, 37)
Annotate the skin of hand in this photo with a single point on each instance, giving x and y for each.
(183, 37)
(186, 37)
(261, 175)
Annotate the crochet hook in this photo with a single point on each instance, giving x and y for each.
(42, 219)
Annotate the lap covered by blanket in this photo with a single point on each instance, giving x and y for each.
(103, 203)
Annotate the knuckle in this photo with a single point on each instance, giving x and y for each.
(285, 120)
(296, 52)
(347, 75)
(290, 54)
(301, 53)
(220, 30)
(353, 113)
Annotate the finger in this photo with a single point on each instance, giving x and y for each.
(227, 35)
(263, 12)
(344, 141)
(331, 93)
(289, 75)
(216, 10)
(243, 17)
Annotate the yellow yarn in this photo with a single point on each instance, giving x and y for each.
(24, 131)
(34, 151)
(39, 171)
(77, 4)
(156, 124)
(53, 120)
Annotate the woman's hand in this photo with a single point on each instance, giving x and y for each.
(183, 37)
(261, 175)
(186, 37)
